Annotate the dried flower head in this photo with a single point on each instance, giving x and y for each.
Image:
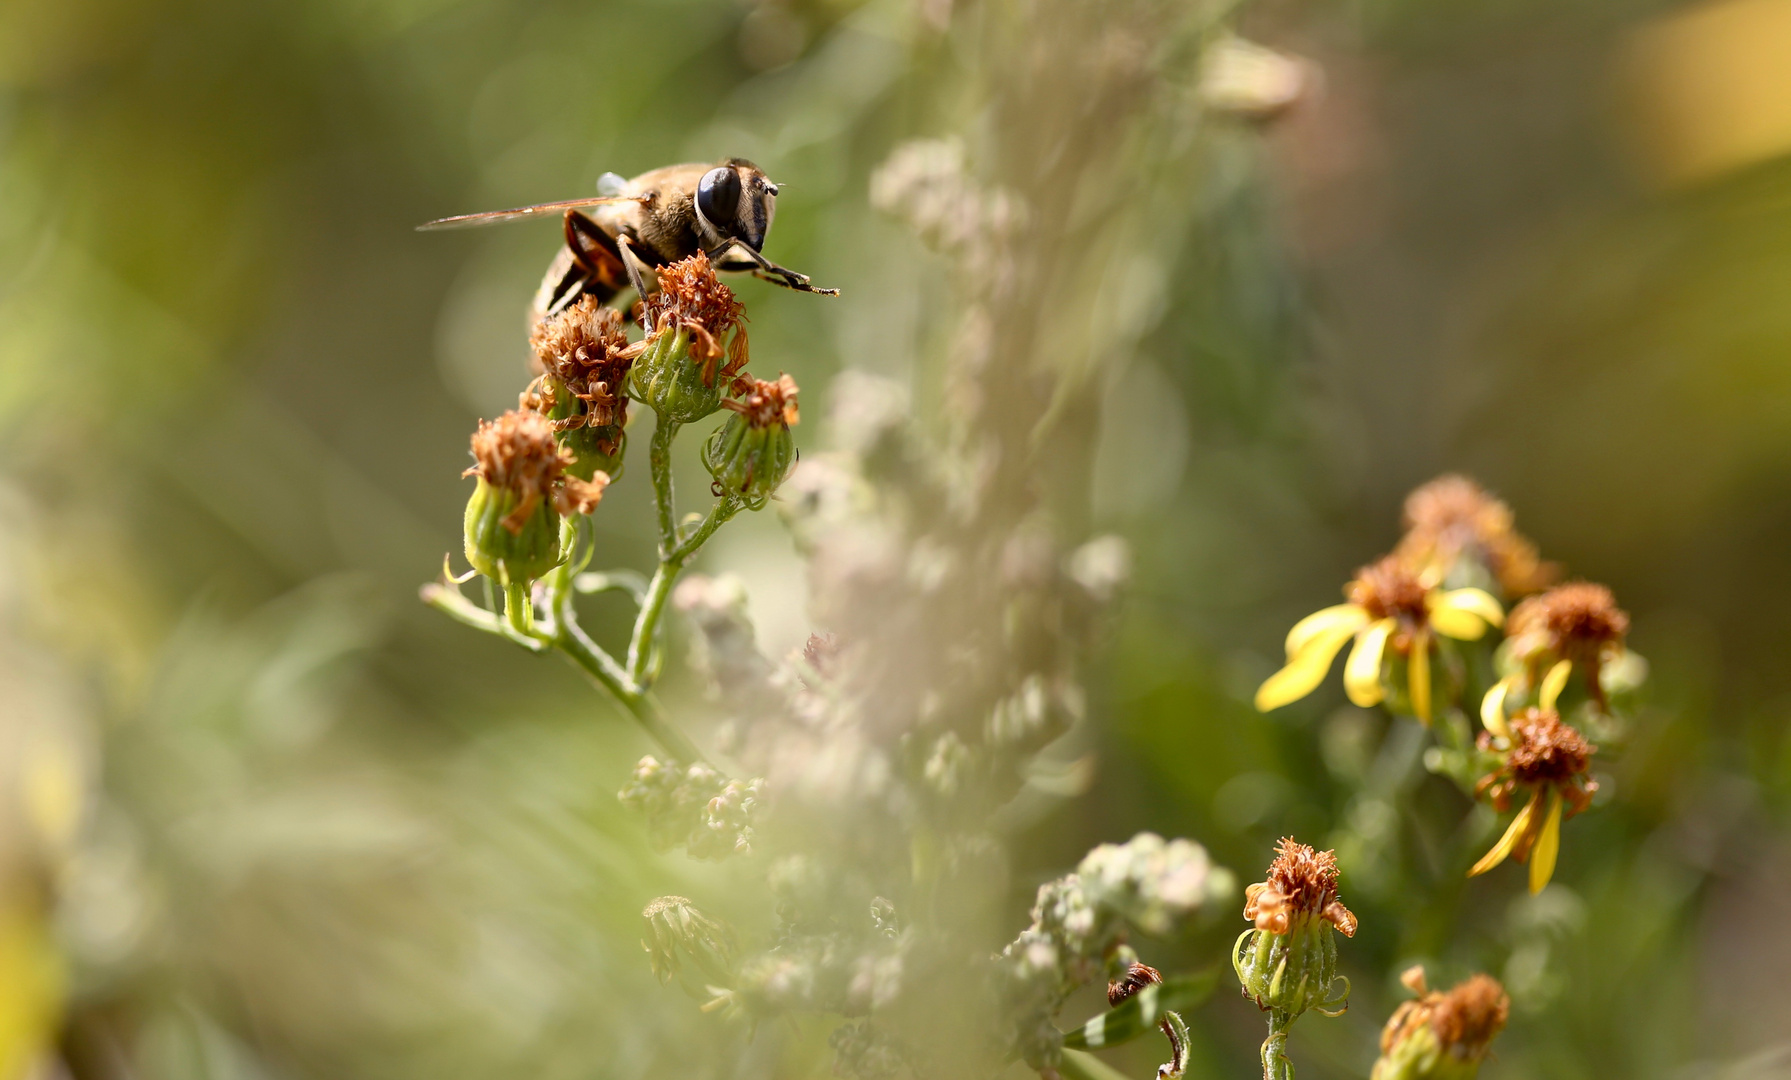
(1287, 961)
(1301, 882)
(586, 350)
(1442, 1035)
(1549, 761)
(1453, 517)
(517, 452)
(1544, 750)
(765, 403)
(1578, 622)
(691, 298)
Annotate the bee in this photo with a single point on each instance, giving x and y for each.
(616, 239)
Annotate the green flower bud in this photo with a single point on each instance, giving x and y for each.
(513, 518)
(680, 373)
(1288, 963)
(1442, 1036)
(503, 554)
(750, 455)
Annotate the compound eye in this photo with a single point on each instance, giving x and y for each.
(718, 199)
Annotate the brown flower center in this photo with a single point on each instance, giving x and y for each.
(1579, 618)
(1389, 589)
(1544, 750)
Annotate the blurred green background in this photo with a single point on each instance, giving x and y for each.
(279, 820)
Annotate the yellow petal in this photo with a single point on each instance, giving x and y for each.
(1362, 675)
(1548, 845)
(1501, 850)
(1305, 669)
(1463, 614)
(1417, 677)
(1319, 622)
(1553, 683)
(1492, 709)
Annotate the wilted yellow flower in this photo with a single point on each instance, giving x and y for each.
(1577, 625)
(1543, 757)
(1389, 605)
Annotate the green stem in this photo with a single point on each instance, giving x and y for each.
(659, 590)
(464, 611)
(1275, 1063)
(659, 461)
(517, 609)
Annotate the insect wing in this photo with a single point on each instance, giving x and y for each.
(493, 217)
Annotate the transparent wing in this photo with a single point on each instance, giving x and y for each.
(493, 217)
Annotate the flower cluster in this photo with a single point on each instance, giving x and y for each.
(694, 806)
(1455, 529)
(1081, 920)
(1419, 619)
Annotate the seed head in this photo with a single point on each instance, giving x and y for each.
(765, 403)
(1452, 517)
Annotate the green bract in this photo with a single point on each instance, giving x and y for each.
(750, 462)
(510, 558)
(670, 381)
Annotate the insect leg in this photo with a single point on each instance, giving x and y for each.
(775, 274)
(795, 283)
(632, 263)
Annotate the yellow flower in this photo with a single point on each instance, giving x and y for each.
(1388, 604)
(1548, 760)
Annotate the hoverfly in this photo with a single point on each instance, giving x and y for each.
(656, 218)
